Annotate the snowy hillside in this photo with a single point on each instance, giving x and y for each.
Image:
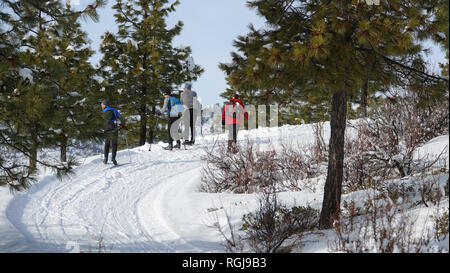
(151, 202)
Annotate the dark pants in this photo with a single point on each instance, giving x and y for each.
(189, 118)
(111, 140)
(173, 120)
(233, 130)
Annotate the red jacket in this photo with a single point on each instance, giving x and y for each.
(235, 106)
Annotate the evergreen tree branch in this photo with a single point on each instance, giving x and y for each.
(412, 69)
(127, 19)
(60, 167)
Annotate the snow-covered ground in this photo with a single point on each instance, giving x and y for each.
(150, 203)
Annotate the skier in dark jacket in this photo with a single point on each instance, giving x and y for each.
(110, 115)
(232, 118)
(173, 121)
(189, 101)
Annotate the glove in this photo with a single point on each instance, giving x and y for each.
(223, 122)
(124, 126)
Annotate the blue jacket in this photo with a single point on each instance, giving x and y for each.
(115, 111)
(111, 115)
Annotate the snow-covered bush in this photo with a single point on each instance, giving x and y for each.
(422, 189)
(381, 219)
(386, 143)
(273, 227)
(382, 227)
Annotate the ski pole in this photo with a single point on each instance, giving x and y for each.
(154, 131)
(126, 141)
(215, 142)
(128, 148)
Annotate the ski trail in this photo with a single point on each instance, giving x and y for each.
(161, 224)
(128, 206)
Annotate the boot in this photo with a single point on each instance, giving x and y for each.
(169, 148)
(178, 146)
(189, 143)
(114, 153)
(106, 153)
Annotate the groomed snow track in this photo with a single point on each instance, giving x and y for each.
(131, 207)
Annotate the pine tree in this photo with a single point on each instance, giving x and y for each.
(74, 105)
(261, 82)
(440, 35)
(13, 173)
(139, 62)
(328, 48)
(29, 85)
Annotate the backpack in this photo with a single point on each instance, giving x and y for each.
(112, 124)
(176, 108)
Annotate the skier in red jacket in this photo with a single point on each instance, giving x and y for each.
(232, 118)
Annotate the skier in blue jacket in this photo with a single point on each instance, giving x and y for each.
(111, 131)
(173, 120)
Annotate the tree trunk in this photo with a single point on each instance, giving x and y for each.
(333, 186)
(33, 152)
(364, 89)
(63, 155)
(143, 126)
(153, 127)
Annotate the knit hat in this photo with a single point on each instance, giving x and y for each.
(105, 102)
(188, 86)
(167, 92)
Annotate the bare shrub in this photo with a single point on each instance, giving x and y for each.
(397, 128)
(433, 113)
(298, 167)
(399, 192)
(233, 241)
(245, 171)
(358, 173)
(100, 246)
(421, 189)
(386, 143)
(384, 227)
(430, 191)
(251, 169)
(446, 188)
(441, 224)
(319, 148)
(274, 228)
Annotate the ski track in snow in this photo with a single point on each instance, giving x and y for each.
(124, 204)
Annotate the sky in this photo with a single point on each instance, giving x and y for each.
(210, 27)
